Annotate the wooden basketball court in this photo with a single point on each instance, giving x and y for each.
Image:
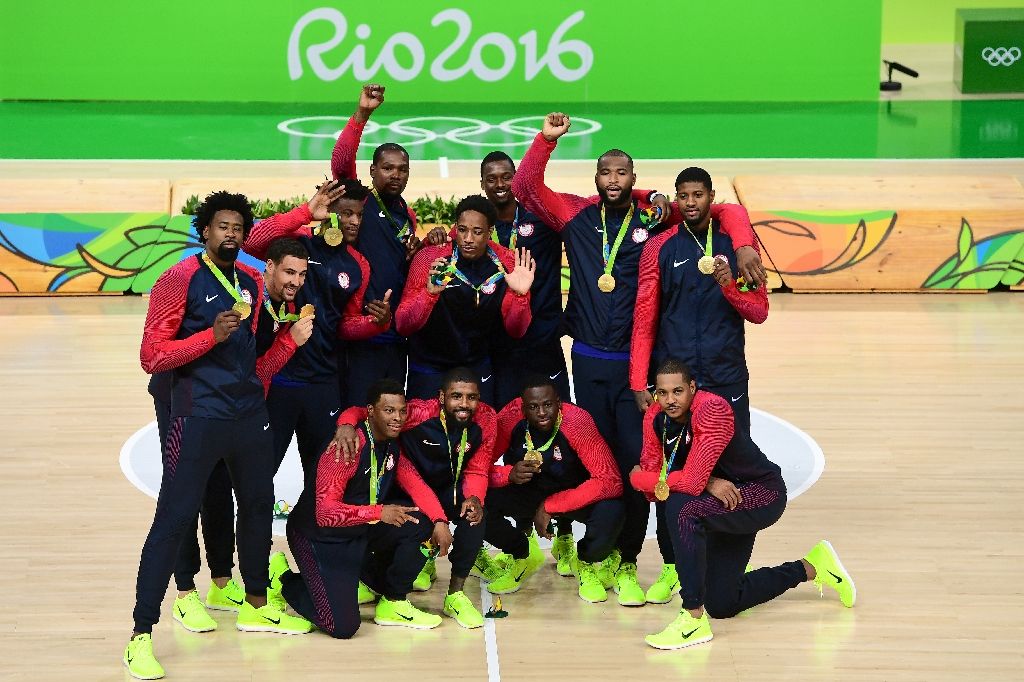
(915, 401)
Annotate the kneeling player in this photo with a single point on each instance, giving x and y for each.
(335, 535)
(555, 463)
(719, 490)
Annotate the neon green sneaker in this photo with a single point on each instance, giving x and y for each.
(535, 559)
(458, 606)
(512, 579)
(278, 565)
(426, 577)
(268, 619)
(139, 659)
(190, 612)
(228, 598)
(684, 631)
(830, 572)
(628, 587)
(404, 614)
(563, 550)
(665, 587)
(607, 568)
(591, 589)
(366, 595)
(488, 568)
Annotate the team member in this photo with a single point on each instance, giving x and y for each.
(603, 242)
(339, 519)
(304, 396)
(449, 439)
(718, 491)
(458, 296)
(555, 463)
(387, 239)
(683, 312)
(200, 326)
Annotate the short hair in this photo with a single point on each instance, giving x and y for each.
(494, 157)
(536, 380)
(694, 174)
(383, 387)
(480, 204)
(354, 190)
(286, 246)
(459, 375)
(388, 147)
(675, 366)
(617, 153)
(222, 201)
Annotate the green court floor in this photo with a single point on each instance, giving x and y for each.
(885, 130)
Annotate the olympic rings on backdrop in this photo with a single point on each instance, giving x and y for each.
(1001, 56)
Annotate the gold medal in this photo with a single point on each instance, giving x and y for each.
(661, 491)
(333, 236)
(534, 457)
(306, 310)
(606, 283)
(706, 265)
(243, 309)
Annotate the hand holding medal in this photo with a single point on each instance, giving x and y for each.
(440, 275)
(319, 208)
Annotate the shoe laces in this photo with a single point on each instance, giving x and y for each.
(668, 574)
(627, 571)
(586, 571)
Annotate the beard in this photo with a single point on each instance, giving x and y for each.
(227, 253)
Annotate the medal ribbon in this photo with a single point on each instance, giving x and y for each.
(375, 474)
(543, 448)
(609, 255)
(236, 291)
(512, 236)
(403, 230)
(666, 464)
(453, 268)
(456, 468)
(707, 247)
(282, 315)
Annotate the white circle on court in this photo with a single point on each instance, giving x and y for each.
(796, 453)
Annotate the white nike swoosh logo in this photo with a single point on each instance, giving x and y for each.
(736, 398)
(485, 379)
(673, 440)
(367, 472)
(452, 285)
(266, 427)
(314, 262)
(554, 376)
(381, 214)
(427, 442)
(335, 411)
(210, 298)
(677, 263)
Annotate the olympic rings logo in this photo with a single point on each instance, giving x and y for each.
(1001, 56)
(420, 130)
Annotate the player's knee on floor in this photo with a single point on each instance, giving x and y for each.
(719, 606)
(344, 631)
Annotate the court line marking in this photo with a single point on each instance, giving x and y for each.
(812, 445)
(124, 460)
(490, 636)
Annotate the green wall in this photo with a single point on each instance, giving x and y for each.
(661, 50)
(928, 21)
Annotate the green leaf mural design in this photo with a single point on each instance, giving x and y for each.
(995, 260)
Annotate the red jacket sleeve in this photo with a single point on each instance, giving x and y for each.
(515, 309)
(509, 416)
(477, 470)
(343, 158)
(733, 219)
(605, 482)
(528, 187)
(290, 224)
(352, 416)
(276, 357)
(646, 311)
(331, 479)
(160, 351)
(651, 456)
(421, 494)
(713, 427)
(354, 325)
(417, 303)
(751, 305)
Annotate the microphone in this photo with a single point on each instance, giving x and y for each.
(891, 85)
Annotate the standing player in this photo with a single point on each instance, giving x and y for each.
(200, 326)
(339, 529)
(387, 239)
(449, 440)
(603, 242)
(683, 312)
(555, 463)
(719, 490)
(457, 298)
(304, 397)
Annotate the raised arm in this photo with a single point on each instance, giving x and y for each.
(343, 158)
(417, 300)
(515, 303)
(528, 185)
(604, 483)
